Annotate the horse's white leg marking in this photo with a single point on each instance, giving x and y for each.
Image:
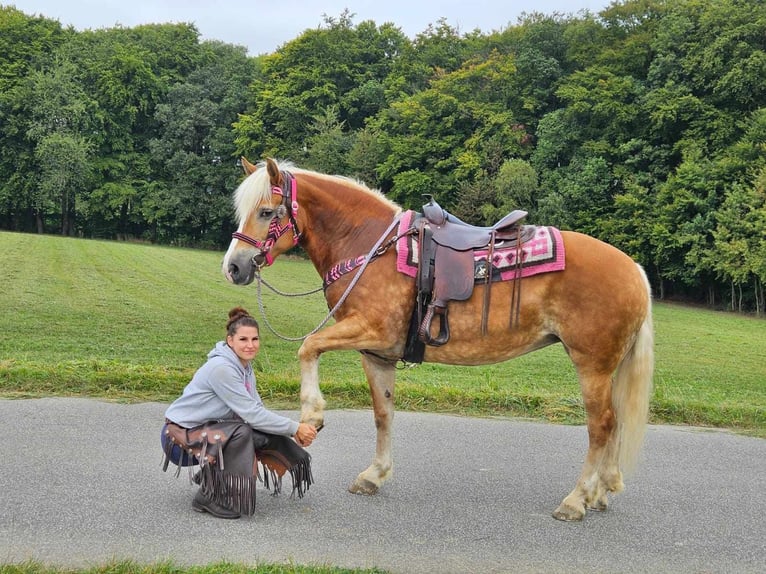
(312, 402)
(344, 335)
(380, 376)
(599, 473)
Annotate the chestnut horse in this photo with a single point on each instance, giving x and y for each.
(598, 308)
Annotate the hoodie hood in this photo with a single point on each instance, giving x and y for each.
(223, 350)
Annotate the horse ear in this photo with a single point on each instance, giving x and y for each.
(274, 175)
(247, 166)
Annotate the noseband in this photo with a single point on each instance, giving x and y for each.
(289, 206)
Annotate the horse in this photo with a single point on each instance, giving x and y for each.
(599, 307)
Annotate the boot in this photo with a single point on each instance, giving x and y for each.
(203, 504)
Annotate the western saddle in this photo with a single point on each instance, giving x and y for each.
(446, 269)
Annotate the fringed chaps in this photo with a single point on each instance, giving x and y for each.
(228, 453)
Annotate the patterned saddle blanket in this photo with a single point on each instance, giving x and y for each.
(542, 253)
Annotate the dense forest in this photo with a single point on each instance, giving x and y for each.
(643, 125)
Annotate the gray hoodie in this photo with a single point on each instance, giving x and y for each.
(221, 389)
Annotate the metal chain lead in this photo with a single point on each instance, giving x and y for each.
(278, 292)
(259, 280)
(370, 256)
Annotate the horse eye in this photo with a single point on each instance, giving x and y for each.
(267, 213)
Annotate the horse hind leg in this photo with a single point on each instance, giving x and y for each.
(609, 476)
(380, 376)
(600, 473)
(617, 413)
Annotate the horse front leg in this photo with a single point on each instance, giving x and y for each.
(380, 377)
(312, 401)
(350, 333)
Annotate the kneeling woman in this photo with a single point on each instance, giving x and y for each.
(220, 423)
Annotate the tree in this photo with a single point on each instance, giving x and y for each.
(539, 46)
(363, 156)
(485, 200)
(193, 157)
(328, 147)
(436, 51)
(518, 185)
(26, 42)
(630, 26)
(65, 168)
(340, 66)
(601, 107)
(682, 233)
(420, 134)
(62, 120)
(458, 131)
(726, 53)
(739, 239)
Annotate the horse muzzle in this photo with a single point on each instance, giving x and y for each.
(242, 267)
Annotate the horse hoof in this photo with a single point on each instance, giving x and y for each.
(363, 486)
(316, 422)
(598, 506)
(568, 514)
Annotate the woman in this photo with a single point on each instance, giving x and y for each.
(220, 423)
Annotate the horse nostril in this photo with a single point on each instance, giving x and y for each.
(233, 271)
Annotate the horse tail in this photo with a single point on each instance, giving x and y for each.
(632, 389)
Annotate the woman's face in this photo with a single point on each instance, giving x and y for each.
(245, 342)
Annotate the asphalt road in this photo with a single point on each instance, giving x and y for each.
(82, 485)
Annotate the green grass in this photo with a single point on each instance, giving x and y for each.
(170, 568)
(132, 322)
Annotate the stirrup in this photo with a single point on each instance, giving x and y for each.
(424, 333)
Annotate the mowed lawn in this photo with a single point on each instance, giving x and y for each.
(129, 321)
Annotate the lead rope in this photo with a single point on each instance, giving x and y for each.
(278, 292)
(370, 256)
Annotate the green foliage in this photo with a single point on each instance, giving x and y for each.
(603, 106)
(740, 239)
(339, 67)
(514, 187)
(644, 126)
(329, 145)
(193, 150)
(24, 41)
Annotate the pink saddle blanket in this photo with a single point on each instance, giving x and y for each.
(543, 253)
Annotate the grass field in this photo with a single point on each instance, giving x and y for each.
(170, 568)
(132, 322)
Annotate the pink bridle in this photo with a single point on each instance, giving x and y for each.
(276, 229)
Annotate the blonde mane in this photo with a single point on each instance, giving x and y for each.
(256, 188)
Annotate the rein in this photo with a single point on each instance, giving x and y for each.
(376, 251)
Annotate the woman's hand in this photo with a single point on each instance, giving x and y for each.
(305, 434)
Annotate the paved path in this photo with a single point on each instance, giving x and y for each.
(82, 485)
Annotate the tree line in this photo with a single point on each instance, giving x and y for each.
(643, 125)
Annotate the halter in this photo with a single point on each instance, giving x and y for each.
(276, 229)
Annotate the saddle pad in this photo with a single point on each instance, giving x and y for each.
(543, 253)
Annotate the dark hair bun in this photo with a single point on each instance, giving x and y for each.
(237, 313)
(238, 317)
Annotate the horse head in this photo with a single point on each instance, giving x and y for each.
(266, 207)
